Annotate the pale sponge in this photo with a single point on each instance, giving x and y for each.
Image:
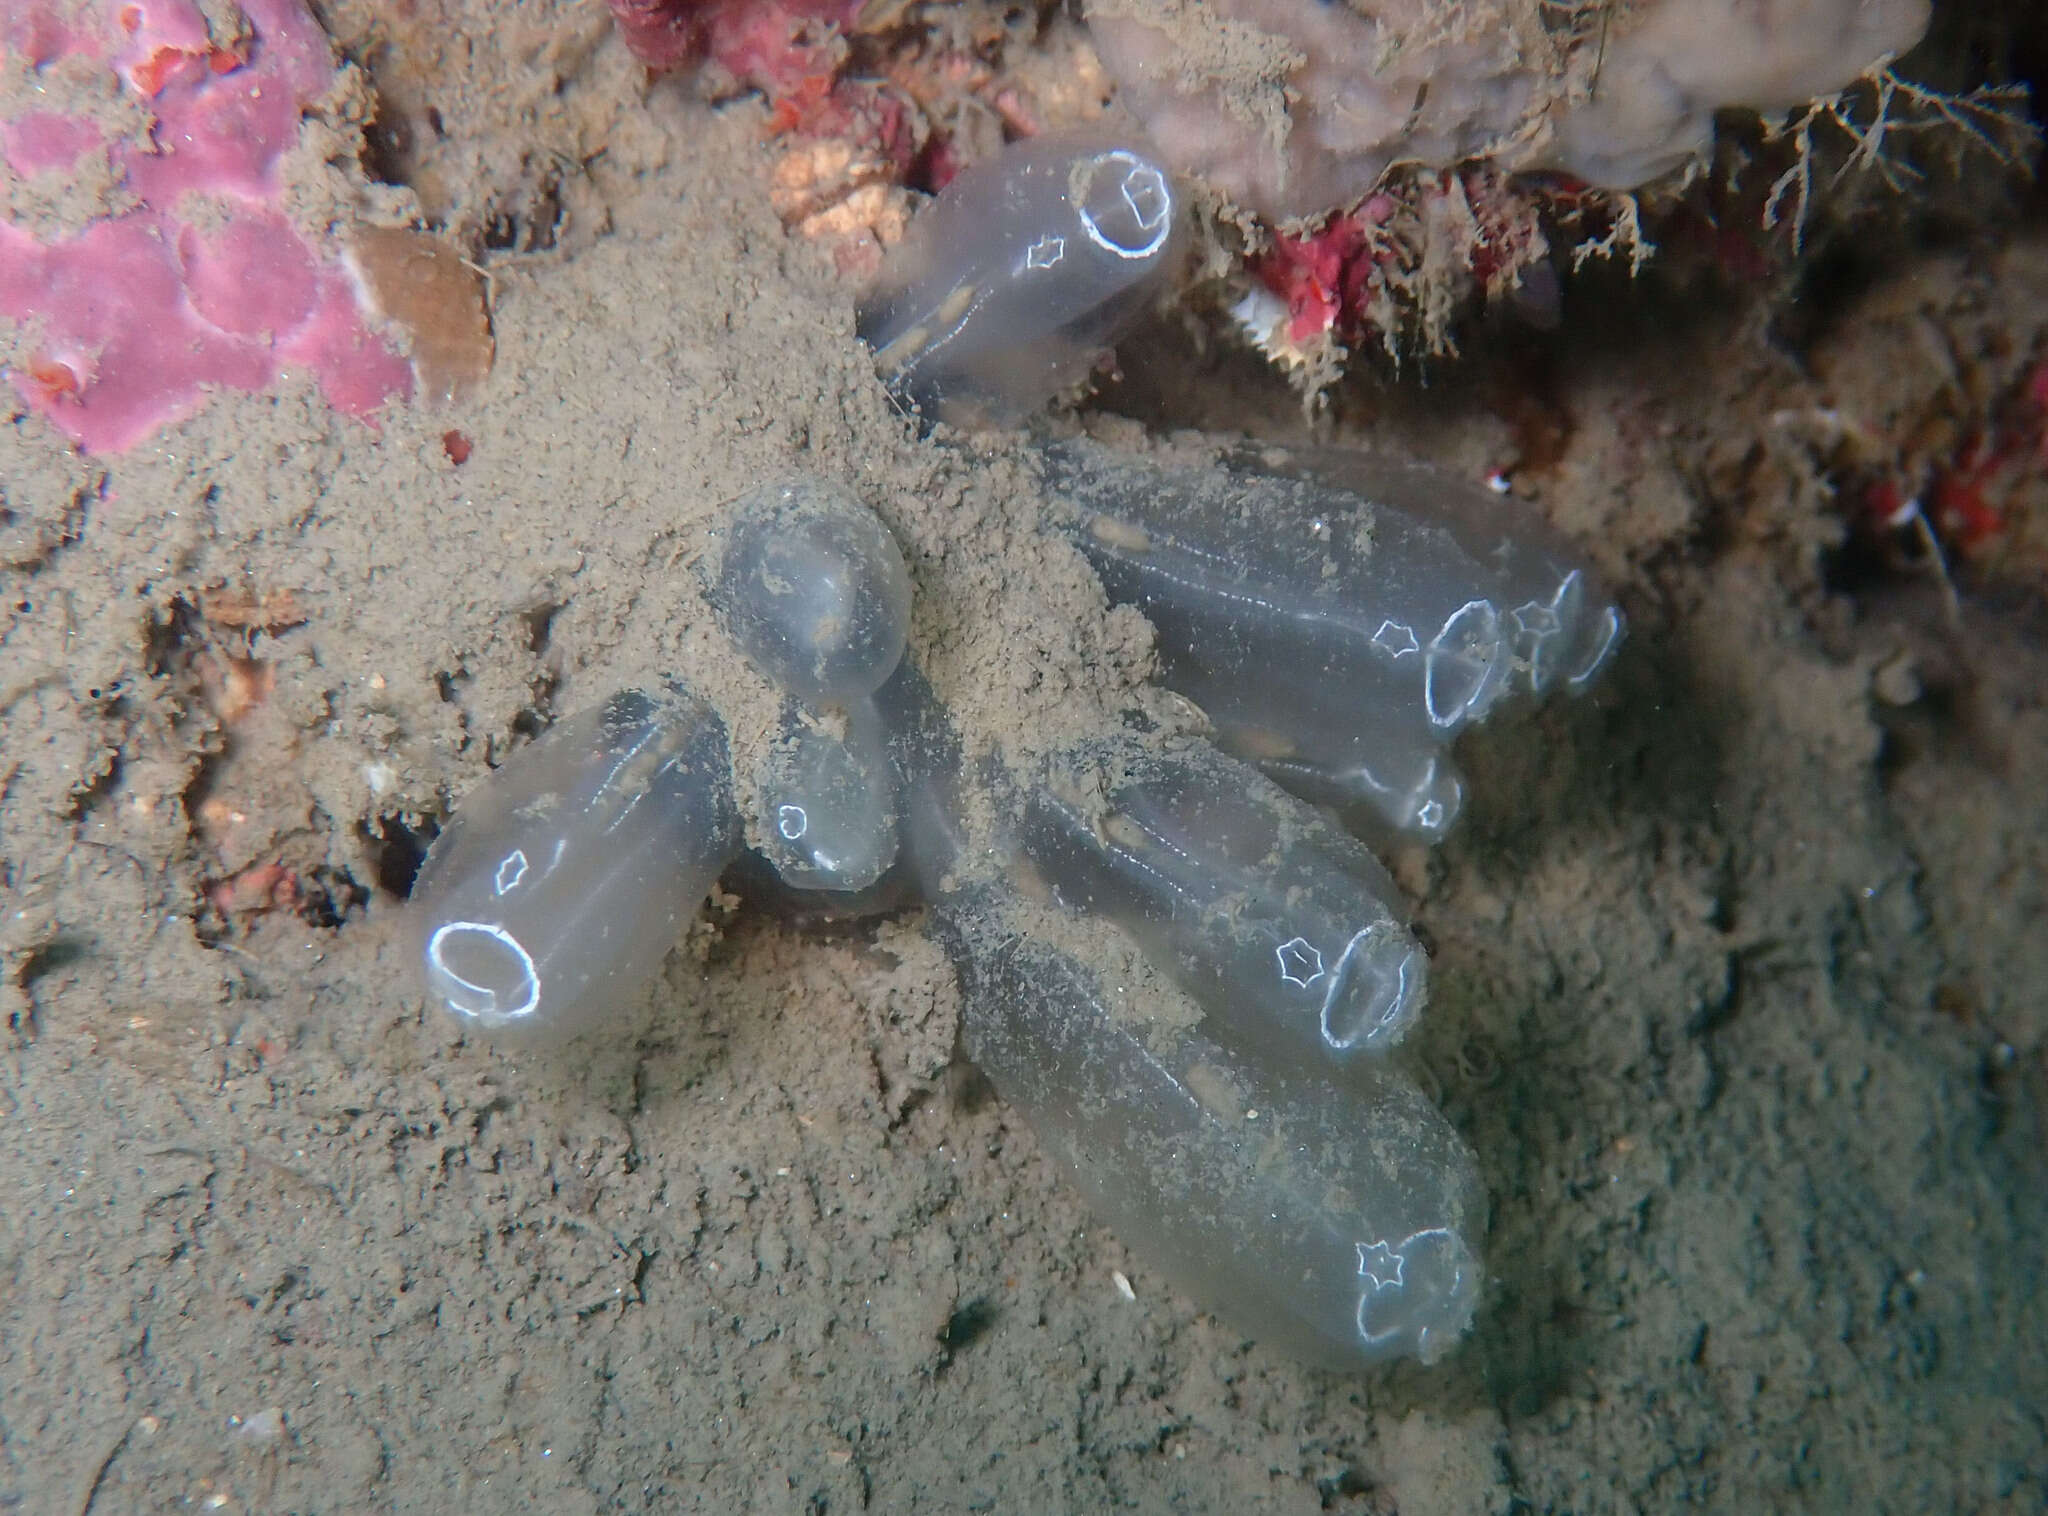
(1295, 107)
(1673, 64)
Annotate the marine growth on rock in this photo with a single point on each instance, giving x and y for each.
(1214, 1069)
(153, 244)
(1183, 969)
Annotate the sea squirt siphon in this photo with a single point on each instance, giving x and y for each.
(1338, 618)
(1007, 288)
(557, 888)
(1326, 1211)
(1281, 927)
(831, 819)
(811, 586)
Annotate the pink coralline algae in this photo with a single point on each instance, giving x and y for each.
(198, 280)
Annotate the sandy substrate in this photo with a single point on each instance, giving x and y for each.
(1738, 970)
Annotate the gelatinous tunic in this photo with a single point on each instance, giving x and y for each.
(1010, 285)
(1221, 1083)
(814, 590)
(1269, 918)
(1339, 623)
(1330, 1211)
(556, 890)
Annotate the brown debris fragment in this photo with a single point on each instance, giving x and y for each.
(231, 686)
(251, 610)
(421, 284)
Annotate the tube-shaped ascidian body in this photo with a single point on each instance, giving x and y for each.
(813, 588)
(1561, 628)
(1180, 974)
(1339, 635)
(1328, 1213)
(1280, 927)
(1007, 288)
(557, 888)
(831, 803)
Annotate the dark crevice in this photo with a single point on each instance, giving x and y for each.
(330, 896)
(531, 228)
(540, 624)
(396, 851)
(969, 1323)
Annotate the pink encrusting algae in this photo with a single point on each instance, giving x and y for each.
(202, 281)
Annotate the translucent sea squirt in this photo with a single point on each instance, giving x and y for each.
(557, 888)
(832, 821)
(1339, 618)
(813, 588)
(1326, 1211)
(1009, 286)
(1189, 980)
(1280, 927)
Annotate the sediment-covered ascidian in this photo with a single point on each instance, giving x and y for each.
(1192, 979)
(1250, 1133)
